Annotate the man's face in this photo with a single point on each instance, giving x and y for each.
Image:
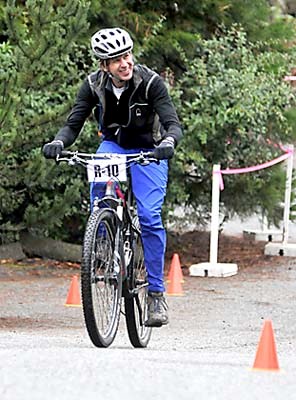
(121, 67)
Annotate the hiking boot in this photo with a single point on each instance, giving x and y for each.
(157, 310)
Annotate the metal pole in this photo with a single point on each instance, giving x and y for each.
(289, 174)
(215, 215)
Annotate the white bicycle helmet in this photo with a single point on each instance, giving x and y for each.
(109, 43)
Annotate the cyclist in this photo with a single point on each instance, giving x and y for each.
(134, 113)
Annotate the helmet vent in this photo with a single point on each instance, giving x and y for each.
(111, 45)
(100, 49)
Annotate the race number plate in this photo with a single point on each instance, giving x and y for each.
(104, 170)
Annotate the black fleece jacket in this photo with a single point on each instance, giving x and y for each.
(141, 118)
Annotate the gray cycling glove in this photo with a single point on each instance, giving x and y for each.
(52, 149)
(166, 149)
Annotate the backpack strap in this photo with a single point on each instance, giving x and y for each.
(149, 84)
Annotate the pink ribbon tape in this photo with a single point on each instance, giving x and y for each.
(267, 164)
(290, 78)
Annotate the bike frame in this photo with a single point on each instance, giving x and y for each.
(118, 202)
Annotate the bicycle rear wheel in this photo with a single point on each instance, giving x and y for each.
(136, 307)
(101, 278)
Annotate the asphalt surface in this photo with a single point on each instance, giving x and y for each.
(206, 352)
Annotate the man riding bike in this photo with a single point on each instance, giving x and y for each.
(134, 112)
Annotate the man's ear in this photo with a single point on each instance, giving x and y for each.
(103, 65)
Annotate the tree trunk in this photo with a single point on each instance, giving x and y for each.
(50, 248)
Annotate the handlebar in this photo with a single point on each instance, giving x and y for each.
(76, 157)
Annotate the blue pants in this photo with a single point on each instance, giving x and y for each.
(149, 187)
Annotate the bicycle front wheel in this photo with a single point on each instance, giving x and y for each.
(136, 306)
(101, 278)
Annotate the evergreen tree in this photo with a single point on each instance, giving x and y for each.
(39, 76)
(233, 103)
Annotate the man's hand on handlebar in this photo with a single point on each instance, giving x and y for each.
(53, 149)
(166, 149)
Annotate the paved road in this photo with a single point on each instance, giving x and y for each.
(206, 352)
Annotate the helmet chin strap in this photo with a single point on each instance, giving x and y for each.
(115, 77)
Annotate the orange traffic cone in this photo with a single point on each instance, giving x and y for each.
(266, 357)
(73, 298)
(174, 283)
(175, 268)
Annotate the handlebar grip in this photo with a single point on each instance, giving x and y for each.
(150, 154)
(66, 153)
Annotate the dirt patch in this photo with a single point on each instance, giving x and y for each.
(11, 270)
(11, 323)
(192, 247)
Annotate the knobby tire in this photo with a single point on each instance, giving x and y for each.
(136, 305)
(101, 278)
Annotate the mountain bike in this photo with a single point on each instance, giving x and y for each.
(112, 264)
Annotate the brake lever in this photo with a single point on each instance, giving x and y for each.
(70, 161)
